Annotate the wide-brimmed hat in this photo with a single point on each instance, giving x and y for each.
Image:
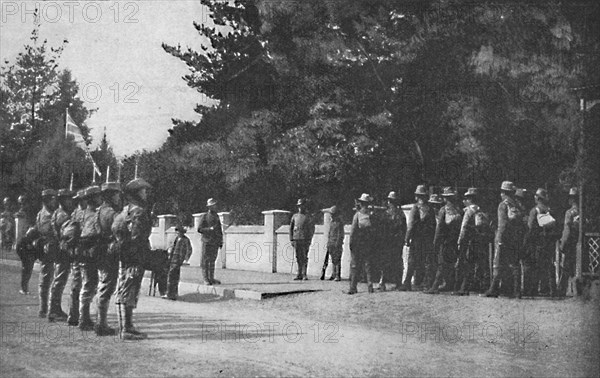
(392, 196)
(48, 192)
(448, 192)
(301, 202)
(435, 198)
(574, 191)
(111, 186)
(91, 190)
(211, 202)
(542, 193)
(507, 186)
(137, 184)
(64, 193)
(421, 191)
(80, 194)
(520, 192)
(365, 198)
(471, 192)
(333, 210)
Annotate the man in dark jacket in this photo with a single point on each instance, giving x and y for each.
(180, 252)
(212, 239)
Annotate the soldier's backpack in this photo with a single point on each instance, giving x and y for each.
(70, 231)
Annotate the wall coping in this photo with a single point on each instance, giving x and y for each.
(166, 215)
(270, 212)
(245, 229)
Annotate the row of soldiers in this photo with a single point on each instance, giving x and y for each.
(449, 245)
(99, 236)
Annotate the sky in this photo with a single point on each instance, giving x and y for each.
(115, 54)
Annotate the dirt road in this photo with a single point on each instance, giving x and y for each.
(316, 334)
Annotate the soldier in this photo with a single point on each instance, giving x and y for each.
(446, 240)
(568, 242)
(394, 232)
(77, 220)
(131, 230)
(419, 238)
(541, 237)
(62, 267)
(28, 215)
(301, 233)
(508, 241)
(528, 254)
(363, 234)
(431, 256)
(335, 244)
(212, 240)
(181, 251)
(473, 243)
(108, 260)
(43, 224)
(88, 250)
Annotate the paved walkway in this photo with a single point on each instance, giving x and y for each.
(235, 283)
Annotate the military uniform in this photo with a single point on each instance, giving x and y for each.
(419, 238)
(446, 243)
(543, 242)
(568, 245)
(392, 267)
(43, 225)
(62, 266)
(335, 245)
(182, 250)
(363, 239)
(508, 243)
(473, 243)
(108, 261)
(301, 233)
(88, 252)
(76, 283)
(131, 231)
(212, 239)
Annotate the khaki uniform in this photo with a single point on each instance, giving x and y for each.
(542, 242)
(446, 243)
(108, 263)
(419, 237)
(90, 235)
(43, 224)
(473, 241)
(212, 240)
(76, 215)
(568, 247)
(363, 239)
(392, 266)
(62, 267)
(301, 233)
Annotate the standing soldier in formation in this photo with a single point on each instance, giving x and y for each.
(568, 242)
(77, 221)
(131, 229)
(108, 260)
(63, 259)
(419, 238)
(541, 237)
(394, 232)
(363, 238)
(446, 240)
(88, 248)
(301, 233)
(27, 215)
(43, 225)
(181, 251)
(335, 244)
(473, 243)
(508, 240)
(212, 240)
(431, 256)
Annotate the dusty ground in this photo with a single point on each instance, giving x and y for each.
(316, 334)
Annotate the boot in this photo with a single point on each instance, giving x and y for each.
(304, 268)
(73, 319)
(492, 292)
(85, 321)
(439, 277)
(338, 272)
(353, 281)
(516, 283)
(213, 280)
(323, 273)
(56, 314)
(299, 274)
(130, 332)
(43, 305)
(101, 328)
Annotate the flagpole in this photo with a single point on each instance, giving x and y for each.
(107, 172)
(71, 185)
(119, 164)
(66, 121)
(136, 169)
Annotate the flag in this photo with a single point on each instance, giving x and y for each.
(72, 129)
